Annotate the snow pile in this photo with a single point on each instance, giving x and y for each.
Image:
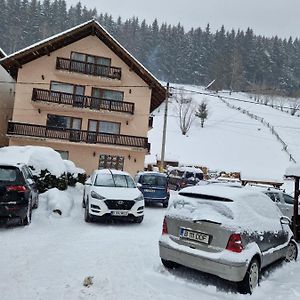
(59, 203)
(40, 158)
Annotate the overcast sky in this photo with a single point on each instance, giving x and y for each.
(266, 17)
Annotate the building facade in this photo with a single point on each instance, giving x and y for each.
(7, 87)
(82, 94)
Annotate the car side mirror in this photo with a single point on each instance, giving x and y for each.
(30, 181)
(138, 185)
(88, 182)
(285, 220)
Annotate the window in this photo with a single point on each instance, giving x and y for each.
(154, 180)
(288, 199)
(114, 180)
(63, 154)
(104, 127)
(107, 94)
(104, 61)
(63, 122)
(111, 162)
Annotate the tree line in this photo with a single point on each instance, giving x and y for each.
(235, 60)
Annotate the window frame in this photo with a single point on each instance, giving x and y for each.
(106, 90)
(67, 83)
(86, 56)
(71, 123)
(98, 126)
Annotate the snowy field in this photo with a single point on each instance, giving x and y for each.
(230, 141)
(50, 259)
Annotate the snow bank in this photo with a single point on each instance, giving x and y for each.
(40, 158)
(59, 203)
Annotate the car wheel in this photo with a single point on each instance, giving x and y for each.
(87, 216)
(169, 264)
(138, 219)
(36, 203)
(27, 220)
(292, 252)
(165, 204)
(251, 279)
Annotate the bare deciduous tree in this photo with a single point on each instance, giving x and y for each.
(185, 110)
(294, 106)
(202, 112)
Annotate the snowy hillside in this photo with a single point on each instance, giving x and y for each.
(230, 140)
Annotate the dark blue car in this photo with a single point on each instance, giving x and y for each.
(154, 187)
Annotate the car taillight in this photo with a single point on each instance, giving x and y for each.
(235, 243)
(16, 188)
(164, 227)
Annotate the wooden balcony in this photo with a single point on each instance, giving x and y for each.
(82, 67)
(82, 101)
(77, 136)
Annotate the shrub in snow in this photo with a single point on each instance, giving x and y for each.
(59, 203)
(88, 281)
(52, 172)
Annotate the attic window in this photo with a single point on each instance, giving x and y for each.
(98, 60)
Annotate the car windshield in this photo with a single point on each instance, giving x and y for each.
(114, 180)
(8, 174)
(154, 180)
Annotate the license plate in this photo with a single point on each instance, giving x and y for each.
(119, 213)
(149, 191)
(194, 235)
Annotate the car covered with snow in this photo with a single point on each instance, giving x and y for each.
(229, 232)
(112, 194)
(18, 193)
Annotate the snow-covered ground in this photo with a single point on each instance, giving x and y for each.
(230, 140)
(51, 258)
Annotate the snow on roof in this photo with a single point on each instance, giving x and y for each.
(293, 171)
(111, 171)
(186, 169)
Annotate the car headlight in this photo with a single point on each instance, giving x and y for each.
(139, 198)
(97, 196)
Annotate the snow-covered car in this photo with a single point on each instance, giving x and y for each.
(18, 193)
(112, 194)
(229, 232)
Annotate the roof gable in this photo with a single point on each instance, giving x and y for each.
(14, 61)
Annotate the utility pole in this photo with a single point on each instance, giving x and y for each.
(163, 146)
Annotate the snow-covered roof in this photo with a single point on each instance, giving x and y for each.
(111, 171)
(15, 60)
(2, 53)
(293, 171)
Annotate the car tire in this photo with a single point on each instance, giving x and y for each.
(87, 216)
(27, 220)
(138, 219)
(165, 204)
(292, 252)
(251, 279)
(36, 203)
(169, 264)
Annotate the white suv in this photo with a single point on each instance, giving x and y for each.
(112, 194)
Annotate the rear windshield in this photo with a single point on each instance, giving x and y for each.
(10, 175)
(114, 180)
(205, 197)
(154, 180)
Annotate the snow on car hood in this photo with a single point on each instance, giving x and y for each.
(117, 193)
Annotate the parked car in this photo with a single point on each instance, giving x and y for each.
(112, 194)
(154, 186)
(230, 232)
(181, 177)
(18, 193)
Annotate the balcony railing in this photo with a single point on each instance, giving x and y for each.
(88, 68)
(82, 101)
(78, 136)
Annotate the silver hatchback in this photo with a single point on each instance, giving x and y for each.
(229, 232)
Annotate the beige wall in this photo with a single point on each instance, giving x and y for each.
(6, 103)
(26, 111)
(43, 71)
